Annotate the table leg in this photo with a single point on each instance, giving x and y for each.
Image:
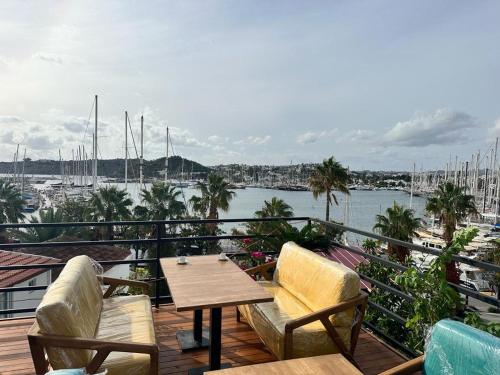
(214, 350)
(196, 338)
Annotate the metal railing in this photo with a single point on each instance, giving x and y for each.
(157, 242)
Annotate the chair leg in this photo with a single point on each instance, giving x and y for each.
(38, 356)
(153, 365)
(238, 315)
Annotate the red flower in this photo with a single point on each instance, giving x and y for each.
(257, 254)
(247, 241)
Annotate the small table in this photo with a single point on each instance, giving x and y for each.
(323, 364)
(205, 282)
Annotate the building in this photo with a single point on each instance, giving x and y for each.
(23, 278)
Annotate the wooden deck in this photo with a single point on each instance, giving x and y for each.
(240, 346)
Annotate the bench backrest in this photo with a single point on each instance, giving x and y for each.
(71, 307)
(459, 349)
(316, 281)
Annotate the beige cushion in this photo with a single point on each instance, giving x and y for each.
(316, 281)
(269, 319)
(71, 307)
(127, 319)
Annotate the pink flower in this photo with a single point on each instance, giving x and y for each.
(257, 254)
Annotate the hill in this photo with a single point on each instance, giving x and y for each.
(112, 167)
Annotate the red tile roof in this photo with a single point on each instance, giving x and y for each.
(14, 277)
(347, 258)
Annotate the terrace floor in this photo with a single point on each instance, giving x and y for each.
(240, 345)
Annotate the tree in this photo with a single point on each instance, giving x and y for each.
(398, 223)
(108, 204)
(215, 195)
(162, 202)
(11, 205)
(275, 208)
(451, 204)
(41, 234)
(328, 177)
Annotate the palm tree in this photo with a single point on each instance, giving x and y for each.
(162, 202)
(451, 204)
(41, 234)
(11, 205)
(328, 177)
(275, 208)
(108, 204)
(215, 195)
(398, 223)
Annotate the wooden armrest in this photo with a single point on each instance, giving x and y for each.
(323, 315)
(261, 269)
(114, 283)
(406, 368)
(326, 312)
(103, 347)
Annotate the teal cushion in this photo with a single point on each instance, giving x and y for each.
(67, 372)
(458, 349)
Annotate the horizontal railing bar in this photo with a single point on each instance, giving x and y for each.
(456, 258)
(389, 288)
(392, 314)
(150, 222)
(76, 243)
(126, 242)
(60, 265)
(22, 288)
(464, 290)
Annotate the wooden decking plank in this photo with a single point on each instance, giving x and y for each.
(240, 345)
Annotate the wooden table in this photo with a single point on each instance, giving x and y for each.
(208, 283)
(323, 364)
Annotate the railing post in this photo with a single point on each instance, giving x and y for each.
(157, 282)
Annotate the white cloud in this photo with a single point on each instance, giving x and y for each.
(441, 127)
(309, 137)
(253, 140)
(312, 137)
(495, 130)
(48, 57)
(217, 139)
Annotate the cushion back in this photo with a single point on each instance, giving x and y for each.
(71, 307)
(316, 281)
(459, 349)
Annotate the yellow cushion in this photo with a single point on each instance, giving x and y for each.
(316, 281)
(71, 307)
(269, 319)
(127, 319)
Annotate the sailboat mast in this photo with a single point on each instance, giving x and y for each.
(126, 150)
(141, 160)
(166, 160)
(22, 176)
(94, 171)
(411, 186)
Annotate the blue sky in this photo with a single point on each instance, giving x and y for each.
(377, 84)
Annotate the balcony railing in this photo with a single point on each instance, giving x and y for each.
(157, 242)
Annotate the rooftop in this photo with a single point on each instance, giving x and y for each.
(14, 277)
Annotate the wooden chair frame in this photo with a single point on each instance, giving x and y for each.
(40, 342)
(359, 303)
(407, 368)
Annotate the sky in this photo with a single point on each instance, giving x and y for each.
(379, 85)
